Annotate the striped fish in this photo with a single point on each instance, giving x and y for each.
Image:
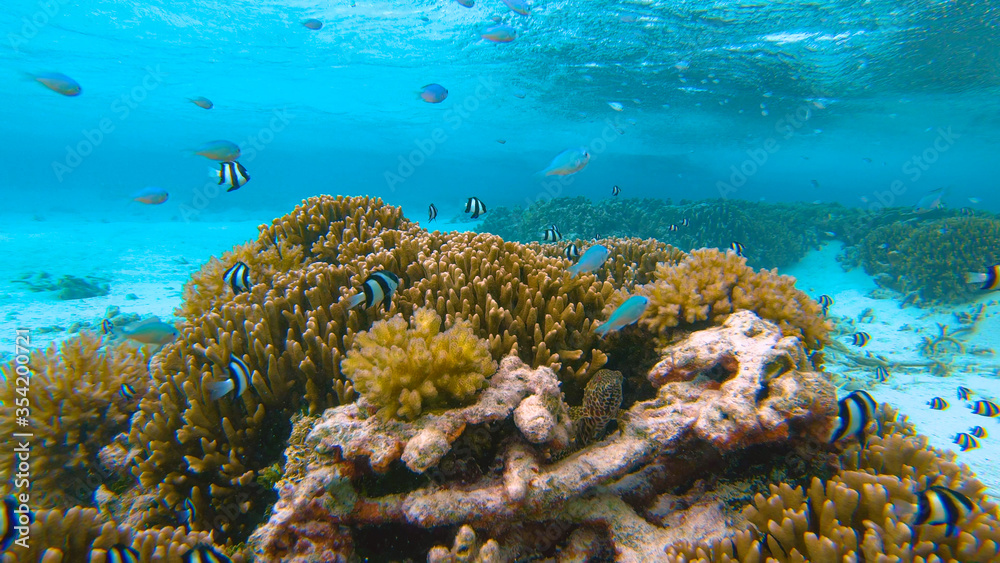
(941, 505)
(672, 228)
(966, 441)
(204, 553)
(571, 251)
(232, 174)
(239, 380)
(127, 391)
(938, 404)
(825, 301)
(432, 213)
(552, 234)
(188, 512)
(378, 287)
(615, 190)
(121, 553)
(475, 206)
(238, 278)
(859, 339)
(978, 432)
(989, 280)
(855, 412)
(8, 522)
(881, 374)
(964, 393)
(685, 222)
(737, 248)
(983, 407)
(108, 327)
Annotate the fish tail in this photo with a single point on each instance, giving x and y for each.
(355, 300)
(975, 277)
(218, 389)
(603, 329)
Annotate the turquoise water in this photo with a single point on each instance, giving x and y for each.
(703, 88)
(865, 104)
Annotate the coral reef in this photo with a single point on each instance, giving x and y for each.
(82, 534)
(775, 235)
(708, 284)
(466, 549)
(755, 387)
(931, 258)
(76, 409)
(403, 372)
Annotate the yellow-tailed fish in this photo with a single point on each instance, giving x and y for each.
(220, 151)
(151, 331)
(500, 34)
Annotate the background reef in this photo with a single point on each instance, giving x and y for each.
(716, 377)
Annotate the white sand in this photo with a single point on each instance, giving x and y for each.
(143, 259)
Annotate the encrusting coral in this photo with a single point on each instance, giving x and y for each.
(76, 409)
(403, 372)
(708, 284)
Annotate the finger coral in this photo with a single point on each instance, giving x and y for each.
(708, 284)
(76, 408)
(403, 372)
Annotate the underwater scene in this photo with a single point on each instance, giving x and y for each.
(499, 281)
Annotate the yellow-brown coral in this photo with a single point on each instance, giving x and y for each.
(708, 285)
(404, 372)
(76, 408)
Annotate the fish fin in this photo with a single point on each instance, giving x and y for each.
(218, 389)
(975, 277)
(905, 511)
(214, 173)
(603, 329)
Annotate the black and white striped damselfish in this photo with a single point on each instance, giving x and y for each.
(978, 432)
(188, 512)
(552, 234)
(859, 339)
(432, 213)
(881, 374)
(737, 248)
(231, 174)
(127, 391)
(107, 327)
(938, 404)
(964, 393)
(825, 301)
(377, 288)
(121, 553)
(237, 278)
(983, 407)
(672, 228)
(685, 222)
(855, 411)
(990, 280)
(475, 206)
(966, 441)
(615, 190)
(204, 553)
(941, 505)
(239, 381)
(571, 251)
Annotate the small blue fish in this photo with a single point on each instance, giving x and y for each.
(433, 93)
(313, 24)
(518, 6)
(151, 331)
(570, 161)
(627, 313)
(58, 82)
(592, 259)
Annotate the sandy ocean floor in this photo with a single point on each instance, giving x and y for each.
(147, 264)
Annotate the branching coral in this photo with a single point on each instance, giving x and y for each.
(932, 257)
(76, 409)
(708, 284)
(82, 534)
(404, 372)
